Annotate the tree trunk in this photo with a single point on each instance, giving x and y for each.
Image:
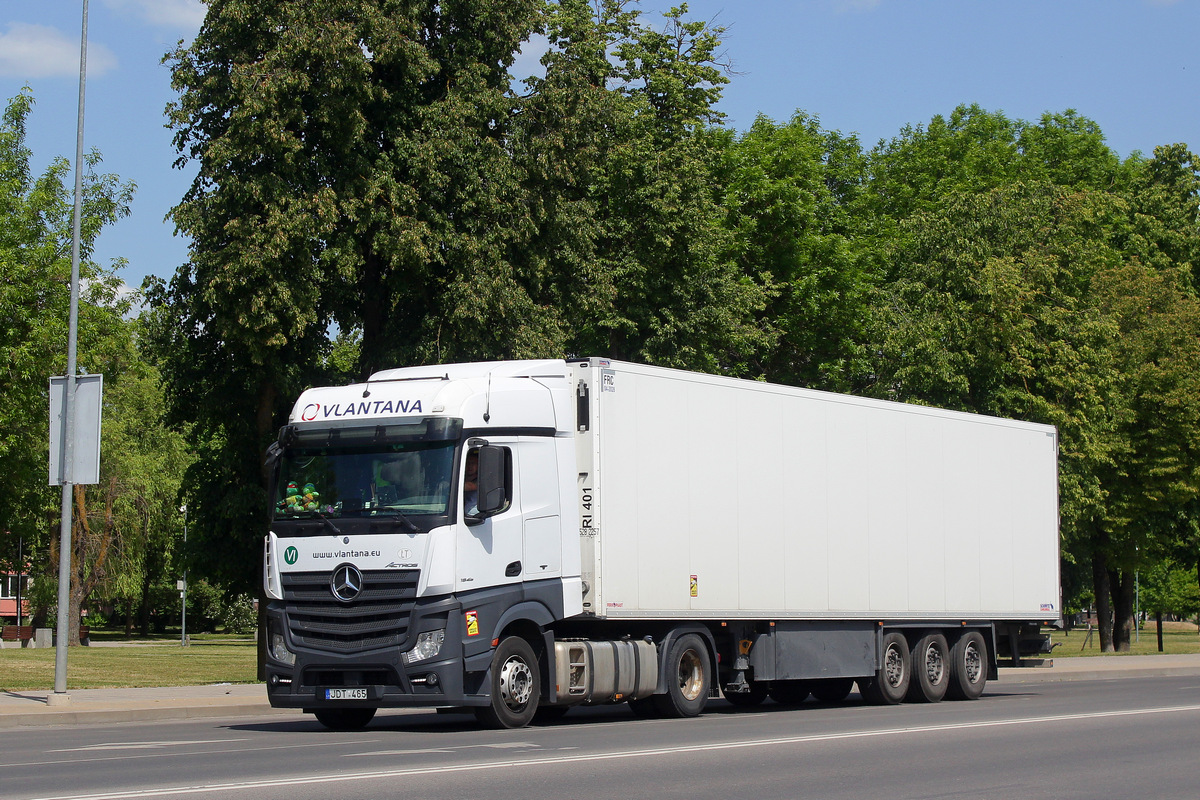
(1122, 587)
(1158, 622)
(1100, 587)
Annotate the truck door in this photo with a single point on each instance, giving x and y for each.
(490, 551)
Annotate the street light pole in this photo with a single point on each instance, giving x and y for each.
(60, 696)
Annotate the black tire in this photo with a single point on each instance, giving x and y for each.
(754, 697)
(930, 669)
(688, 678)
(516, 686)
(890, 683)
(644, 707)
(789, 693)
(550, 713)
(968, 667)
(831, 690)
(344, 719)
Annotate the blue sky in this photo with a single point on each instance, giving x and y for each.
(863, 66)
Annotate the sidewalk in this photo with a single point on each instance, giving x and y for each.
(103, 706)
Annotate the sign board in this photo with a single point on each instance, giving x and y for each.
(86, 461)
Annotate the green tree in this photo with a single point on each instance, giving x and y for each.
(35, 276)
(114, 521)
(789, 191)
(620, 159)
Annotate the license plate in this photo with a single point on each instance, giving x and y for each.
(346, 694)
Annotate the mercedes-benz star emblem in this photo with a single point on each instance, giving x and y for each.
(346, 583)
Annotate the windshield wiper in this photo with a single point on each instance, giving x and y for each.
(403, 520)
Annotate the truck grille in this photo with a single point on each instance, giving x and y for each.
(377, 618)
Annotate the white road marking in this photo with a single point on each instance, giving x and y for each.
(142, 745)
(547, 760)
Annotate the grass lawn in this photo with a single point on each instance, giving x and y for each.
(1178, 638)
(153, 664)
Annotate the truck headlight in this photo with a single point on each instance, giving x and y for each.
(428, 645)
(279, 649)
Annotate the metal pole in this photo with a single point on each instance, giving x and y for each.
(183, 634)
(64, 549)
(20, 573)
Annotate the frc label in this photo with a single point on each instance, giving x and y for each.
(472, 623)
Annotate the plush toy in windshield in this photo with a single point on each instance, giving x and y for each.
(311, 497)
(294, 501)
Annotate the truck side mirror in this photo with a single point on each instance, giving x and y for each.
(494, 480)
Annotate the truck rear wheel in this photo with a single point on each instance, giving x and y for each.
(890, 683)
(344, 719)
(930, 669)
(789, 693)
(688, 678)
(754, 697)
(831, 690)
(968, 667)
(516, 686)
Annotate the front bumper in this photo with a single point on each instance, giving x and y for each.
(375, 678)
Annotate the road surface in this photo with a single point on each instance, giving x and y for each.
(1128, 738)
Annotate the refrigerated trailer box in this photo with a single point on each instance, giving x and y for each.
(510, 536)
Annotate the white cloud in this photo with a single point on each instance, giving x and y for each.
(187, 14)
(39, 51)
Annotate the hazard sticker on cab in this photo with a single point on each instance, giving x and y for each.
(472, 623)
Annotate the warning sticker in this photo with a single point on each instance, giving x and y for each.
(472, 623)
(695, 587)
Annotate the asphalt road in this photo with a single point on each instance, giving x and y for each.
(1127, 738)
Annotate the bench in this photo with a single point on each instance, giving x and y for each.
(17, 633)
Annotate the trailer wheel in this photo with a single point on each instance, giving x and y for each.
(890, 683)
(516, 686)
(754, 697)
(789, 693)
(344, 719)
(832, 690)
(688, 678)
(968, 667)
(930, 670)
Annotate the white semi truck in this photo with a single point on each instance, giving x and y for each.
(510, 537)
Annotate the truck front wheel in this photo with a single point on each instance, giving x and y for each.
(688, 678)
(516, 686)
(890, 683)
(344, 719)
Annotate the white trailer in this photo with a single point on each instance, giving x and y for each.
(646, 535)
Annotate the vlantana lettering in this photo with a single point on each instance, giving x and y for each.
(349, 554)
(365, 408)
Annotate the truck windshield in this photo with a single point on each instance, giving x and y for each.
(404, 479)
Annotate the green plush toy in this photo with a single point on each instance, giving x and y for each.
(294, 502)
(311, 497)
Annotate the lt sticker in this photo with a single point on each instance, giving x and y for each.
(291, 555)
(695, 587)
(472, 623)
